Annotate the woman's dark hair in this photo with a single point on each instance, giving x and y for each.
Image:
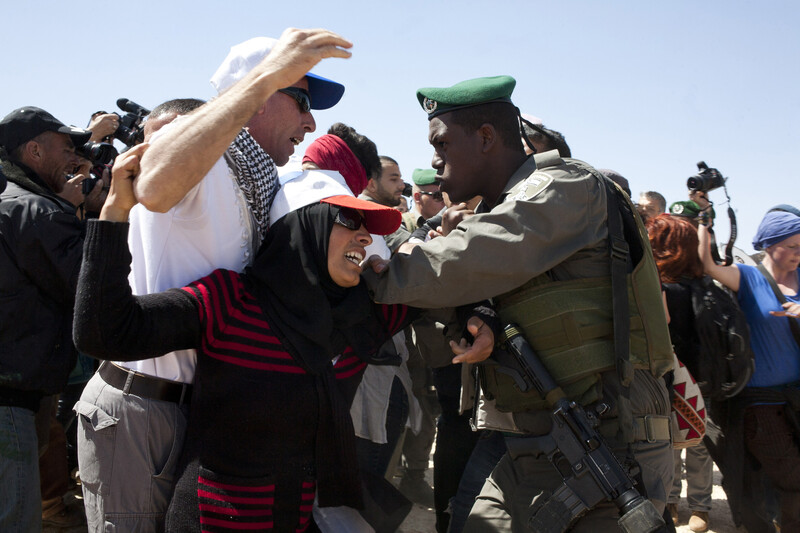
(674, 243)
(364, 149)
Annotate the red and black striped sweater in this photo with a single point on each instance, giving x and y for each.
(251, 455)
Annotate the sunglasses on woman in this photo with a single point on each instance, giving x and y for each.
(300, 96)
(350, 218)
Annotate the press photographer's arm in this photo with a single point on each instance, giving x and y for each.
(727, 275)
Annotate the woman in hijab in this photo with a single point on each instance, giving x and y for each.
(381, 398)
(770, 401)
(268, 428)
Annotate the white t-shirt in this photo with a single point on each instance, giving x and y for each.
(210, 228)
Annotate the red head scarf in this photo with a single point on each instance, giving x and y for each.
(329, 152)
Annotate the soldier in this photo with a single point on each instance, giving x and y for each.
(539, 245)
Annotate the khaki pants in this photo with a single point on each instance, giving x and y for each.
(511, 492)
(128, 450)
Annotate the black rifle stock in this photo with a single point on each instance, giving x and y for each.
(591, 473)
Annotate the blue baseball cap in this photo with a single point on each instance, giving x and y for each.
(243, 57)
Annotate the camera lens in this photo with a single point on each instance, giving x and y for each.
(694, 183)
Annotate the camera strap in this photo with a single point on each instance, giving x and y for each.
(729, 246)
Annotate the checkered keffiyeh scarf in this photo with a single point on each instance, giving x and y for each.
(256, 176)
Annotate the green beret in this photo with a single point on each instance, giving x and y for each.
(424, 176)
(687, 208)
(436, 101)
(684, 208)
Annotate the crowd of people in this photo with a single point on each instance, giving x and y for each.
(212, 337)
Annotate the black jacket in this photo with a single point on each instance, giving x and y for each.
(41, 242)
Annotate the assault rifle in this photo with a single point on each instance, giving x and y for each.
(591, 473)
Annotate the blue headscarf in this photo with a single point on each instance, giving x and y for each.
(775, 227)
(786, 207)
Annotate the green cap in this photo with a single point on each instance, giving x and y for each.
(424, 176)
(688, 209)
(684, 208)
(436, 101)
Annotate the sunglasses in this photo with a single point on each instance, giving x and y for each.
(300, 96)
(436, 195)
(350, 218)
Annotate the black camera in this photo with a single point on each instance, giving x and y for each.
(706, 180)
(101, 155)
(130, 130)
(97, 153)
(407, 190)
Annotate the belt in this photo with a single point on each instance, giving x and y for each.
(144, 386)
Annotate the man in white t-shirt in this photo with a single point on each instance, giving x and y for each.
(205, 189)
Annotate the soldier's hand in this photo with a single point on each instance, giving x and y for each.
(480, 349)
(453, 216)
(121, 198)
(298, 51)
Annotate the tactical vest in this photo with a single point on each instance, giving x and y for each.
(570, 324)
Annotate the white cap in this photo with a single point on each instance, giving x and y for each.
(244, 57)
(305, 188)
(328, 186)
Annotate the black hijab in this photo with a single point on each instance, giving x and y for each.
(290, 278)
(316, 320)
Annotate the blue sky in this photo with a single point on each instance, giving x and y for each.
(645, 88)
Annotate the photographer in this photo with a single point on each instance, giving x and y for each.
(41, 240)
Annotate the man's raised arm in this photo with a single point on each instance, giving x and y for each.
(179, 158)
